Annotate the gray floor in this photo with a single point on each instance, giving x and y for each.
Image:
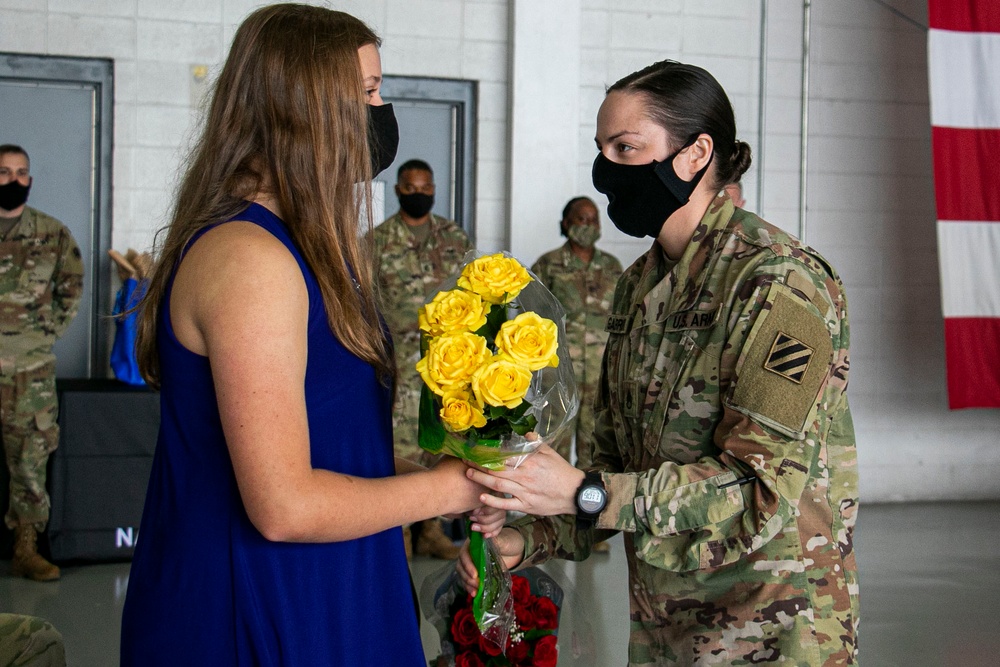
(930, 594)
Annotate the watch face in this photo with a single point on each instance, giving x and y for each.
(592, 499)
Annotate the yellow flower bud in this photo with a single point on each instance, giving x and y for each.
(530, 340)
(497, 279)
(453, 310)
(460, 411)
(451, 360)
(501, 382)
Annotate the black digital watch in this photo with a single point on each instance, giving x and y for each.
(591, 499)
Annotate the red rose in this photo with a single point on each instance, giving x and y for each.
(518, 653)
(464, 630)
(469, 659)
(520, 589)
(546, 614)
(525, 617)
(488, 647)
(546, 653)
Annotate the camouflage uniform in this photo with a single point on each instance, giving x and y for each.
(41, 282)
(30, 641)
(585, 292)
(725, 441)
(409, 273)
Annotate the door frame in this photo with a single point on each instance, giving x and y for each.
(97, 74)
(462, 95)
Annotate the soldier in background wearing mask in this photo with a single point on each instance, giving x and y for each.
(583, 278)
(415, 252)
(41, 282)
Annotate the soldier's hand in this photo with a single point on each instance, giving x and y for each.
(508, 543)
(544, 484)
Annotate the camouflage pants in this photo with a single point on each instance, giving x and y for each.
(30, 641)
(585, 426)
(28, 411)
(405, 418)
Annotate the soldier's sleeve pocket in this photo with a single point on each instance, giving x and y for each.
(783, 365)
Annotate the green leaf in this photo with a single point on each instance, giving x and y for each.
(430, 432)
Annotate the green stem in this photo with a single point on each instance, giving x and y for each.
(477, 549)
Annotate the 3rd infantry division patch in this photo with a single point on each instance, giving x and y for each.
(788, 358)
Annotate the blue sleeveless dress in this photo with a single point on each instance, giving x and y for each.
(206, 588)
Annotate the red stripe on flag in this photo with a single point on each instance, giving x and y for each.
(967, 173)
(964, 15)
(972, 351)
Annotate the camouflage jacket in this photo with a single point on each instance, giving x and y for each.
(585, 292)
(408, 274)
(725, 441)
(41, 283)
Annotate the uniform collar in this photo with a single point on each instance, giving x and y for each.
(680, 283)
(570, 259)
(26, 227)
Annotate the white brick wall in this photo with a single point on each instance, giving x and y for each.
(870, 196)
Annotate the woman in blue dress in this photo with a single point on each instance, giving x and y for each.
(270, 533)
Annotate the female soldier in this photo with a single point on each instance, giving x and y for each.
(725, 450)
(270, 533)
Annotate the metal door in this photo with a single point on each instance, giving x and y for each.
(436, 120)
(55, 109)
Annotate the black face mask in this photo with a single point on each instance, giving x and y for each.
(13, 194)
(417, 204)
(383, 137)
(642, 196)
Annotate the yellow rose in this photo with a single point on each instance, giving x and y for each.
(496, 278)
(453, 310)
(460, 411)
(501, 382)
(530, 340)
(451, 360)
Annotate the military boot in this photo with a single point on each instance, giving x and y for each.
(433, 542)
(27, 562)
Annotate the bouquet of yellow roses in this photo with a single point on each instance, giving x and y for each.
(495, 369)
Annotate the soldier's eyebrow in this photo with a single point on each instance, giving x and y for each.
(619, 135)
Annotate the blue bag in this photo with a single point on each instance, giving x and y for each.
(123, 361)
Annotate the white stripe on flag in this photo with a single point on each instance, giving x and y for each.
(964, 69)
(970, 263)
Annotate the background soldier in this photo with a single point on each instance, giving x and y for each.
(41, 281)
(583, 278)
(416, 251)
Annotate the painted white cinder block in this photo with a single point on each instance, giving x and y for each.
(179, 41)
(485, 21)
(23, 32)
(195, 11)
(427, 18)
(484, 61)
(163, 83)
(101, 37)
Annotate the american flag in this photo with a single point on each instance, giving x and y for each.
(964, 68)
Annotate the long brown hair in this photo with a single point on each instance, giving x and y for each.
(288, 112)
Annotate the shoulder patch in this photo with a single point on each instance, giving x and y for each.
(788, 358)
(784, 364)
